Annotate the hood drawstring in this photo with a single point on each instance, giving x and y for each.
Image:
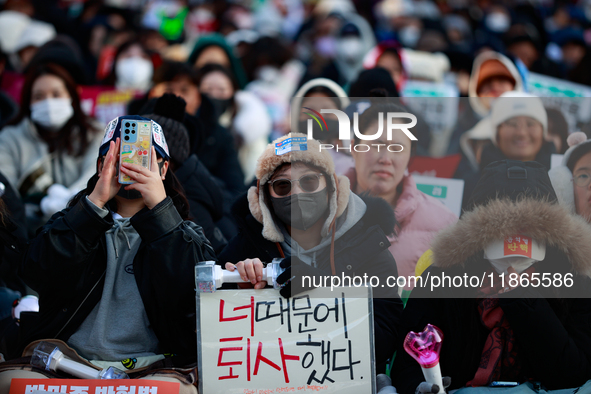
(118, 225)
(333, 229)
(280, 250)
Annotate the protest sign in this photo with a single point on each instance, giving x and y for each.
(257, 342)
(93, 386)
(105, 103)
(437, 105)
(448, 191)
(571, 98)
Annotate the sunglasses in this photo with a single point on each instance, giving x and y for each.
(308, 183)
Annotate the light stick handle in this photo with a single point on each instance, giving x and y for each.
(77, 369)
(433, 375)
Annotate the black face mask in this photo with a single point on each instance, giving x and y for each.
(301, 210)
(134, 194)
(220, 106)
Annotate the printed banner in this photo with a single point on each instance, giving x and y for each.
(93, 386)
(571, 98)
(257, 342)
(105, 104)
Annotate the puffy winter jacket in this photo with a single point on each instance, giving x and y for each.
(550, 325)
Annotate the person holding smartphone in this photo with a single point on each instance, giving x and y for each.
(114, 270)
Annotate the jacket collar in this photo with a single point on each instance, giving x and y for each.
(543, 221)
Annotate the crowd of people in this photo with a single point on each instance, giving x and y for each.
(222, 84)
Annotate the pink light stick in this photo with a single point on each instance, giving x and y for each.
(425, 347)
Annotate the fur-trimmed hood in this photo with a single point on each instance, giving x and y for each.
(475, 102)
(266, 166)
(541, 220)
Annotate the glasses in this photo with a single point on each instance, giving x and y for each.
(582, 179)
(308, 183)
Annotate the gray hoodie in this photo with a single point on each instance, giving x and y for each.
(118, 327)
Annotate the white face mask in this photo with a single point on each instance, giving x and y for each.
(409, 36)
(268, 73)
(498, 22)
(350, 48)
(134, 73)
(52, 113)
(517, 251)
(519, 264)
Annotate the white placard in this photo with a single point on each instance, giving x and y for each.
(449, 191)
(257, 342)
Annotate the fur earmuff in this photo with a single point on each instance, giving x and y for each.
(561, 179)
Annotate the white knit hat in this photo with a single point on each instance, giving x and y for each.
(512, 104)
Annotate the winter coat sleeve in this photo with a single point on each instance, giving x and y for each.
(62, 250)
(386, 314)
(557, 350)
(241, 247)
(165, 274)
(202, 217)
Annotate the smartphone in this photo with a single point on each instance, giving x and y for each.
(136, 146)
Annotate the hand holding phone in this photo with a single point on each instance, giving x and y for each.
(108, 184)
(147, 182)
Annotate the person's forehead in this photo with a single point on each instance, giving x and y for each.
(521, 117)
(584, 162)
(48, 81)
(292, 169)
(181, 81)
(216, 76)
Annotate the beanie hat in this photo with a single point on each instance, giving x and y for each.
(269, 161)
(176, 135)
(562, 176)
(512, 104)
(493, 68)
(169, 112)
